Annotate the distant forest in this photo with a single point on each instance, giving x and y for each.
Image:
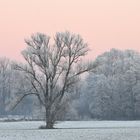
(111, 91)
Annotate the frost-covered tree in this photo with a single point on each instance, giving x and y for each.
(52, 70)
(4, 84)
(19, 85)
(10, 83)
(112, 89)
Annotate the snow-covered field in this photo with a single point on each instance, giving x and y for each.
(70, 130)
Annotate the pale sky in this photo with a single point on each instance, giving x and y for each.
(104, 24)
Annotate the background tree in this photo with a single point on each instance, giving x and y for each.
(53, 69)
(10, 83)
(112, 89)
(4, 84)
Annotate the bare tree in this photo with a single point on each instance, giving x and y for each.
(53, 69)
(4, 83)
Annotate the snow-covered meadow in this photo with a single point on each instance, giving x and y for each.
(71, 130)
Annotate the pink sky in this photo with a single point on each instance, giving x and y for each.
(104, 24)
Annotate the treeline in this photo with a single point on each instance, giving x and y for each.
(111, 91)
(12, 85)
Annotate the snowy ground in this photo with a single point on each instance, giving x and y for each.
(80, 130)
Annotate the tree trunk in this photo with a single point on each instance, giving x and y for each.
(49, 119)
